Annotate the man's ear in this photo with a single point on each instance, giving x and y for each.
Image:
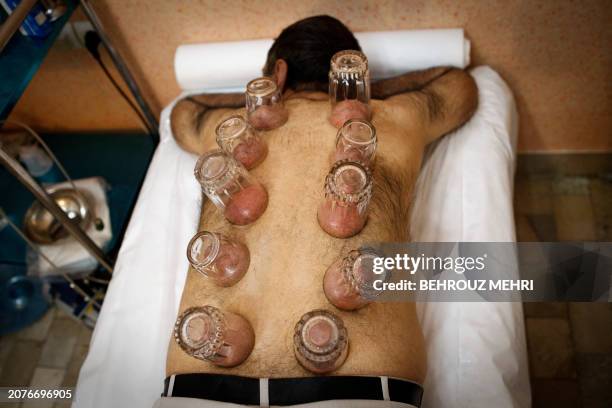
(280, 73)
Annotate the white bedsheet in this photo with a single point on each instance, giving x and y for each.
(476, 351)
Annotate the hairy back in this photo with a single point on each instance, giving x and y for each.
(290, 252)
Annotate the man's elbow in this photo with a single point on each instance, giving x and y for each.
(467, 92)
(179, 116)
(184, 121)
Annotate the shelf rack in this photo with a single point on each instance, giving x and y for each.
(20, 58)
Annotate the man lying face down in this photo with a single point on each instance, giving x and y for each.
(276, 328)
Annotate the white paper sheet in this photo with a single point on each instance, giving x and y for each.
(477, 351)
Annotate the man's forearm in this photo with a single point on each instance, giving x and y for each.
(188, 115)
(411, 81)
(216, 101)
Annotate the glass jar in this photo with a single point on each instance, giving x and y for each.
(320, 341)
(230, 187)
(349, 282)
(264, 104)
(349, 87)
(237, 138)
(348, 188)
(356, 141)
(219, 258)
(206, 333)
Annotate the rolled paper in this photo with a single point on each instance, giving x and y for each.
(229, 66)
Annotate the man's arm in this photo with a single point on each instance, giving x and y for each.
(408, 82)
(187, 117)
(444, 98)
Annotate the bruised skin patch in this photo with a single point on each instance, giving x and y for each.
(349, 109)
(320, 333)
(247, 205)
(251, 152)
(268, 117)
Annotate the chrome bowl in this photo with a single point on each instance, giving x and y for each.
(43, 228)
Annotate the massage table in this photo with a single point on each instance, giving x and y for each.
(476, 351)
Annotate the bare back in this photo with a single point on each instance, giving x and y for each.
(290, 252)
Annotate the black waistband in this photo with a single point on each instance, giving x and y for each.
(290, 391)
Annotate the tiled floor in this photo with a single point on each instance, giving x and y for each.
(570, 345)
(48, 354)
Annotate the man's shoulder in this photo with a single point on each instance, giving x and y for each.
(401, 109)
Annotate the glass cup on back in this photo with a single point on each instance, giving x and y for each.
(236, 137)
(320, 341)
(230, 187)
(349, 283)
(356, 141)
(349, 87)
(264, 104)
(219, 258)
(207, 333)
(348, 189)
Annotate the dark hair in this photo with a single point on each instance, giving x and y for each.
(307, 46)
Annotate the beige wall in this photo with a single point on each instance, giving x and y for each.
(555, 55)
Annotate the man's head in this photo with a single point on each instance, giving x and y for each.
(299, 58)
